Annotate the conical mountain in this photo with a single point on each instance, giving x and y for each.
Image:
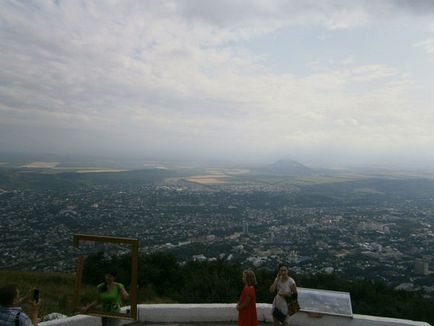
(286, 167)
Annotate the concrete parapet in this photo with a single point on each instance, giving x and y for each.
(74, 321)
(221, 312)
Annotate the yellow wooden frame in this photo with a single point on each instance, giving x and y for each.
(79, 270)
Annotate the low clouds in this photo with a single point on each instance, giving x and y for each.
(177, 76)
(427, 45)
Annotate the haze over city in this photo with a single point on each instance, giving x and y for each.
(326, 82)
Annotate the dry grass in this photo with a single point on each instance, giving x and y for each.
(41, 165)
(57, 289)
(208, 179)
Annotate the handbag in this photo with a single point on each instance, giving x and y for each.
(280, 316)
(293, 307)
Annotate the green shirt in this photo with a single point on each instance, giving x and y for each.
(111, 301)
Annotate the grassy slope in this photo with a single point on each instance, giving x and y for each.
(56, 289)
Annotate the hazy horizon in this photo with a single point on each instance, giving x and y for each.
(322, 82)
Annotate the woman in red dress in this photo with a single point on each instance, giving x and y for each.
(246, 306)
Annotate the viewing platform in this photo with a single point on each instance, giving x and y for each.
(219, 314)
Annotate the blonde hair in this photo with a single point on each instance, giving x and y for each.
(250, 277)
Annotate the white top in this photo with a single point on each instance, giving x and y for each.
(283, 287)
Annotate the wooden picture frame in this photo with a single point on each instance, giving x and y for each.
(133, 242)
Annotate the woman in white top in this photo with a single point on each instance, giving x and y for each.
(284, 286)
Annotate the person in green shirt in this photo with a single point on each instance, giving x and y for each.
(110, 296)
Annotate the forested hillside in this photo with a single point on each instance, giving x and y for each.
(162, 278)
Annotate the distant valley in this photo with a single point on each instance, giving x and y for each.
(357, 224)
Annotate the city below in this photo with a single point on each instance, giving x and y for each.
(375, 227)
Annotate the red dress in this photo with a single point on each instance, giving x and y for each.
(247, 316)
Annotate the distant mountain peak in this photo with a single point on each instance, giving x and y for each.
(287, 162)
(287, 167)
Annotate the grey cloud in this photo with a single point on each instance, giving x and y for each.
(144, 76)
(424, 7)
(227, 13)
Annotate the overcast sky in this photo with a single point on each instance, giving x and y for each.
(324, 82)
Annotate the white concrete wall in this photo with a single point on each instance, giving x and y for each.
(74, 321)
(185, 313)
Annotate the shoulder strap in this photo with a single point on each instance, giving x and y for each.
(17, 319)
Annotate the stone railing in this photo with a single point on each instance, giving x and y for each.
(215, 313)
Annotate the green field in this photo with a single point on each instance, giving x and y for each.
(56, 289)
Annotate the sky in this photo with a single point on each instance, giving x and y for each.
(325, 82)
